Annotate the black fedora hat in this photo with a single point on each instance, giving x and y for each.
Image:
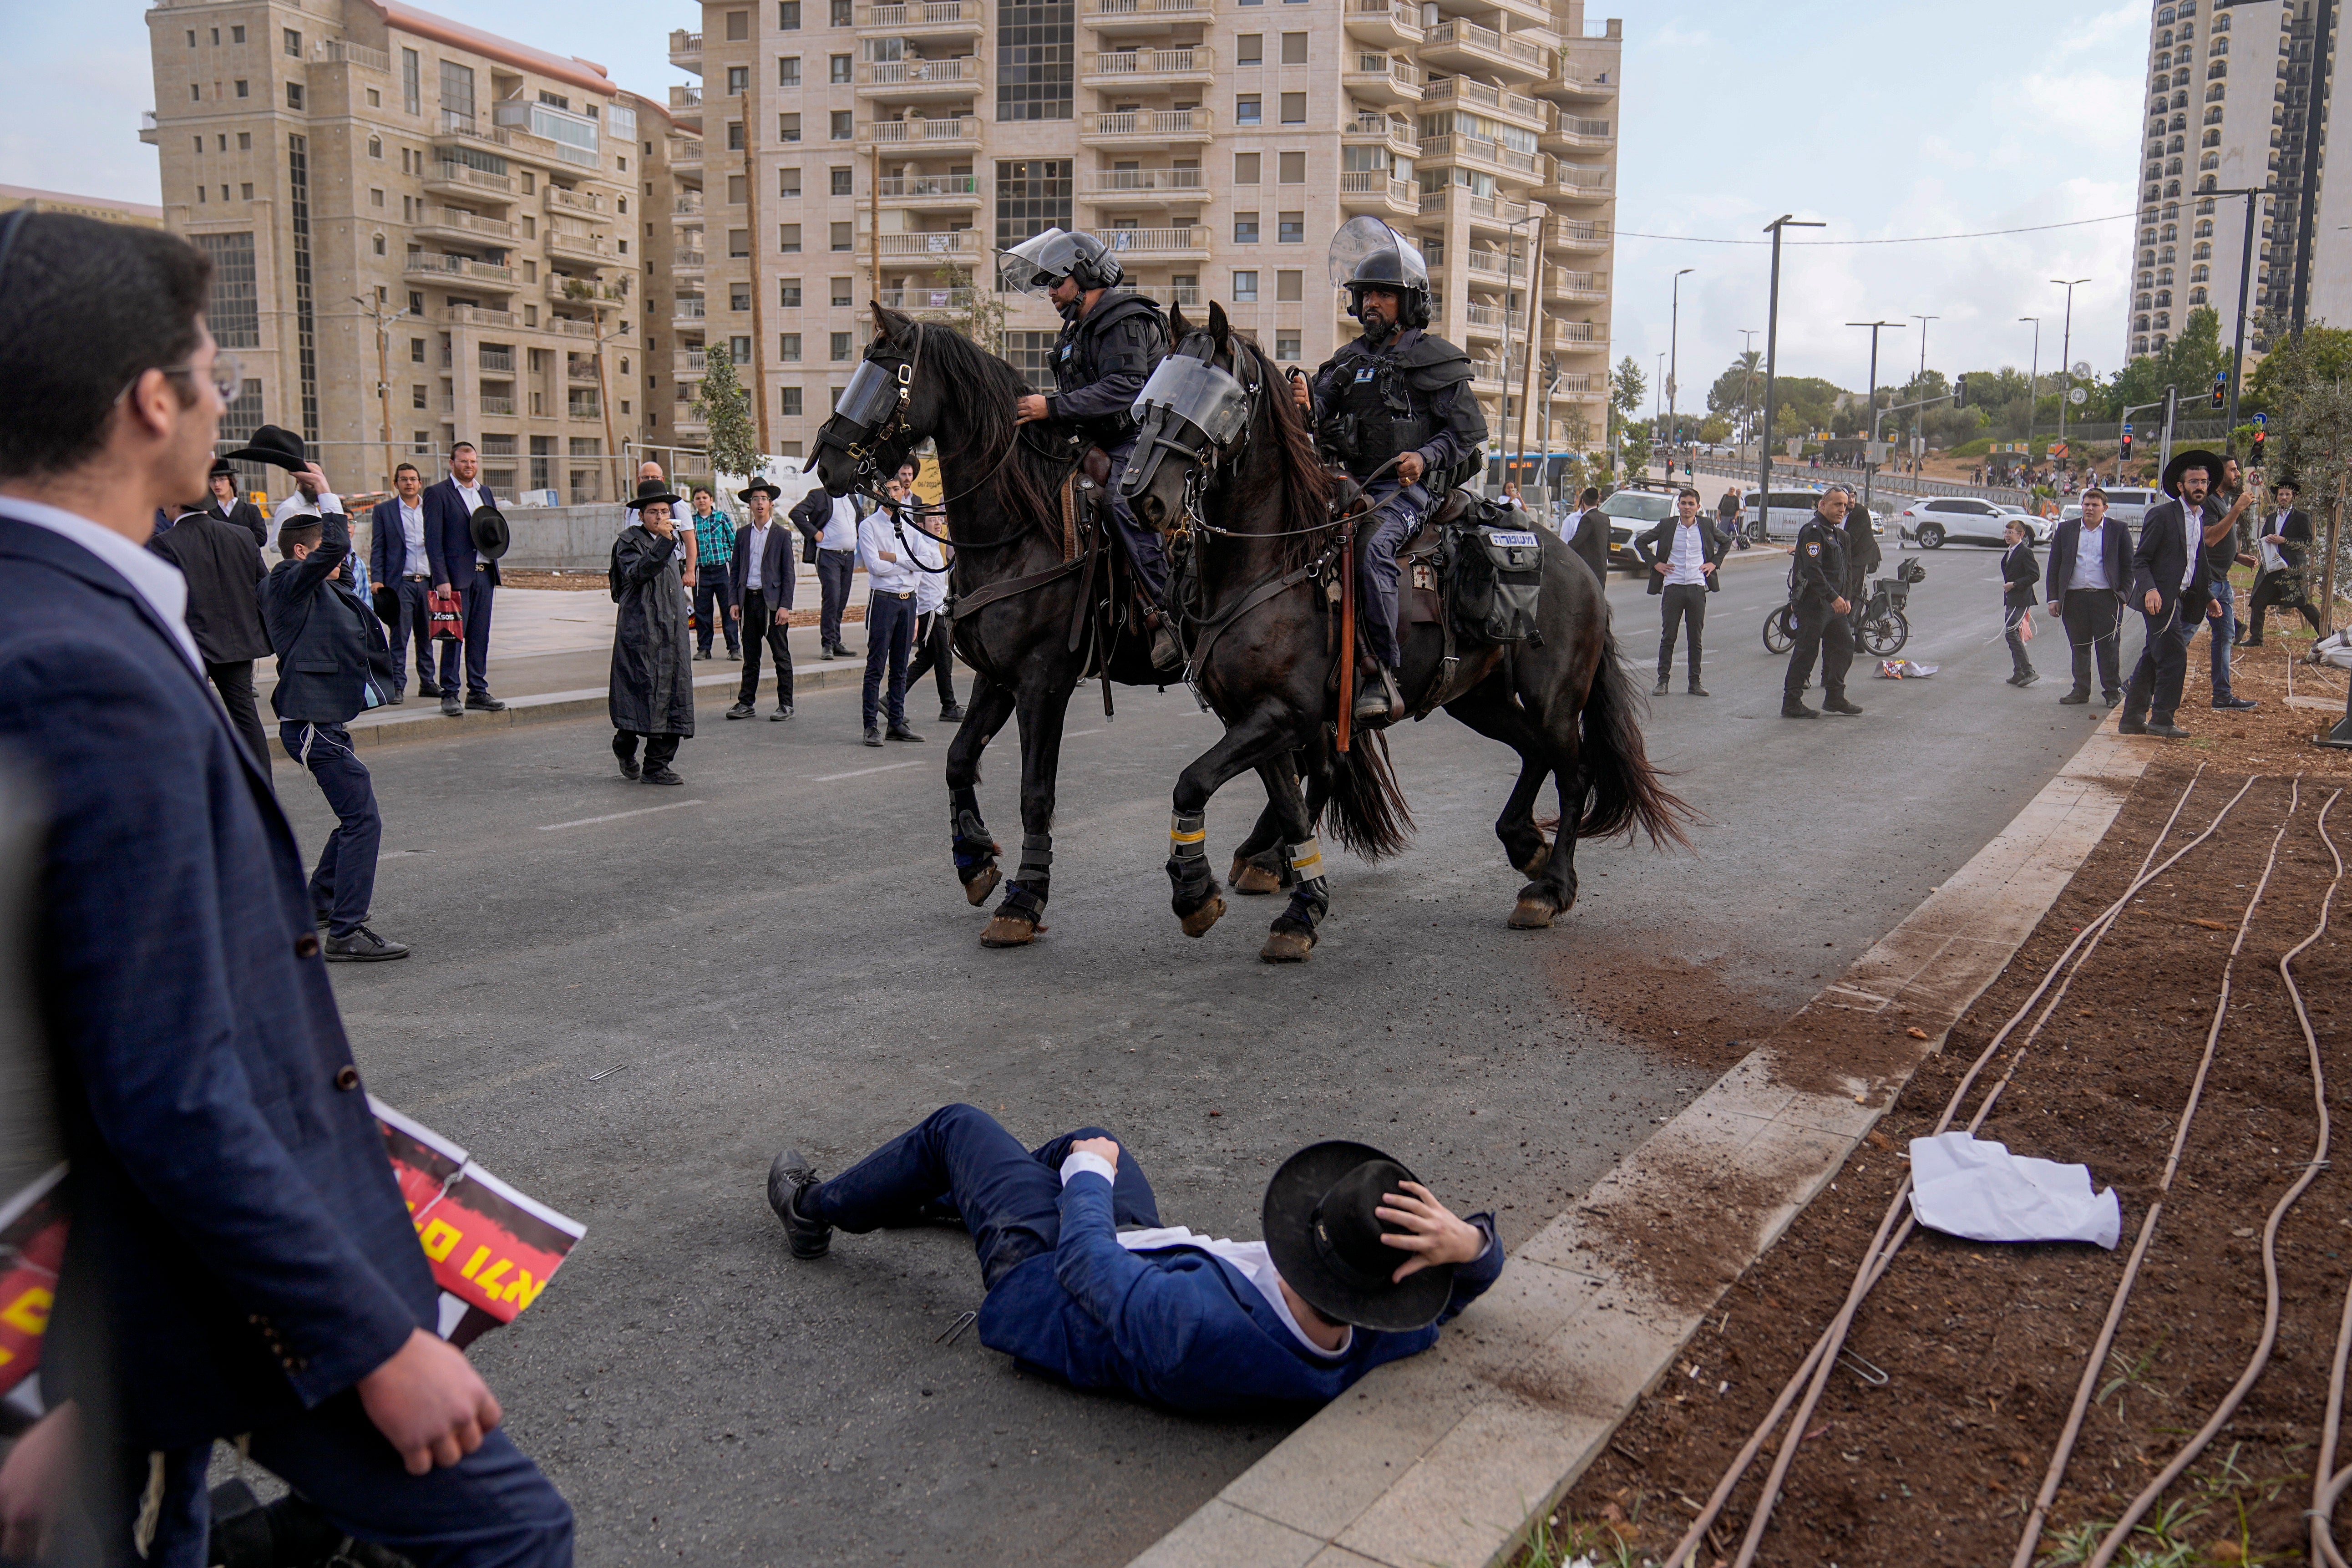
(385, 602)
(651, 490)
(1324, 1239)
(222, 470)
(489, 527)
(2195, 457)
(763, 485)
(272, 444)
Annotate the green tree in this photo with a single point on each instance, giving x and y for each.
(1715, 428)
(1740, 390)
(722, 403)
(983, 317)
(2325, 351)
(2312, 423)
(1626, 388)
(2189, 363)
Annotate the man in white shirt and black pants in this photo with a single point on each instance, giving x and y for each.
(1682, 553)
(830, 524)
(889, 621)
(2090, 570)
(934, 650)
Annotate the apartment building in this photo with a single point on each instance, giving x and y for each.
(421, 234)
(2237, 95)
(138, 215)
(855, 149)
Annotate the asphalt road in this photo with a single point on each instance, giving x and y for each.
(779, 952)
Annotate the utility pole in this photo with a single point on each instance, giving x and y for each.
(374, 307)
(2065, 348)
(2033, 384)
(1919, 448)
(753, 113)
(1535, 342)
(1674, 355)
(1771, 363)
(2253, 194)
(604, 401)
(1747, 383)
(1870, 469)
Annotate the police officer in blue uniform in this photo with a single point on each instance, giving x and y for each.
(1824, 629)
(1111, 339)
(1395, 406)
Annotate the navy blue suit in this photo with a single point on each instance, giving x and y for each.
(390, 565)
(449, 547)
(1177, 1326)
(239, 1248)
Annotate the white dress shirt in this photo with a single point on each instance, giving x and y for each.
(930, 587)
(755, 546)
(412, 533)
(152, 577)
(875, 535)
(472, 495)
(1689, 554)
(294, 505)
(841, 528)
(2090, 570)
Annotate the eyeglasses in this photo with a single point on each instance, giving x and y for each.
(228, 377)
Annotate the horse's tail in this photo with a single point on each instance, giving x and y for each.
(1622, 792)
(1369, 814)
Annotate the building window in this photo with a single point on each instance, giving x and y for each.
(1286, 345)
(1245, 232)
(735, 183)
(788, 70)
(1294, 48)
(1289, 287)
(1249, 48)
(840, 287)
(379, 238)
(840, 13)
(738, 242)
(740, 348)
(840, 348)
(790, 401)
(739, 26)
(375, 146)
(788, 15)
(738, 80)
(837, 69)
(788, 127)
(1294, 168)
(241, 91)
(232, 311)
(788, 182)
(841, 238)
(788, 347)
(841, 185)
(734, 136)
(411, 82)
(1245, 168)
(1032, 195)
(416, 350)
(375, 198)
(1035, 56)
(245, 140)
(1032, 353)
(842, 130)
(788, 239)
(293, 45)
(1249, 109)
(739, 298)
(788, 293)
(1245, 287)
(1293, 105)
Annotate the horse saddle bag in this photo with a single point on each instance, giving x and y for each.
(1490, 565)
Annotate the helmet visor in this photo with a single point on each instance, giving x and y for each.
(870, 398)
(1368, 251)
(1031, 265)
(1197, 393)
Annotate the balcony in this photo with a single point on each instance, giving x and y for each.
(448, 223)
(1188, 242)
(1112, 17)
(1116, 127)
(1383, 24)
(1573, 184)
(581, 370)
(686, 153)
(583, 405)
(1494, 268)
(1113, 68)
(1575, 86)
(685, 428)
(1578, 237)
(1143, 187)
(1374, 191)
(690, 362)
(953, 133)
(1484, 212)
(594, 249)
(468, 183)
(147, 131)
(922, 19)
(1479, 152)
(946, 299)
(475, 316)
(566, 326)
(1530, 113)
(591, 205)
(436, 266)
(1171, 293)
(1576, 338)
(1566, 131)
(940, 244)
(1371, 78)
(1459, 45)
(686, 315)
(687, 265)
(564, 290)
(499, 402)
(456, 130)
(1493, 320)
(915, 81)
(686, 50)
(1582, 287)
(926, 193)
(342, 51)
(1393, 132)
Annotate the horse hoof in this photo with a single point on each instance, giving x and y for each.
(1288, 947)
(1532, 914)
(976, 891)
(1010, 931)
(1198, 922)
(1251, 879)
(1536, 864)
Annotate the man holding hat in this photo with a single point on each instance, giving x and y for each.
(465, 559)
(652, 690)
(2169, 588)
(761, 575)
(1361, 1263)
(229, 506)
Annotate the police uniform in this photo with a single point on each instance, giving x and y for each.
(1100, 363)
(1818, 574)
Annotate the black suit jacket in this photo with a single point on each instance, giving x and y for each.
(1590, 541)
(222, 566)
(778, 569)
(1658, 545)
(2115, 551)
(449, 535)
(2018, 576)
(330, 644)
(247, 516)
(2167, 536)
(2293, 526)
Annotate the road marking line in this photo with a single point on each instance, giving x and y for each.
(616, 815)
(861, 773)
(1073, 735)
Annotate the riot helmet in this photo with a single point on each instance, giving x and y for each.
(1367, 254)
(1037, 263)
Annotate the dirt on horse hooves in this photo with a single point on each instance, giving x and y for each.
(1250, 879)
(1288, 947)
(1010, 931)
(1532, 915)
(1198, 922)
(976, 891)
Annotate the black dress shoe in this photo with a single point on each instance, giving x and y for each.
(2131, 726)
(782, 712)
(2251, 642)
(1661, 689)
(483, 702)
(427, 690)
(2167, 731)
(451, 707)
(873, 735)
(742, 711)
(363, 946)
(629, 768)
(662, 775)
(901, 733)
(396, 700)
(1841, 706)
(2026, 680)
(788, 1178)
(1797, 711)
(1695, 690)
(2236, 704)
(2075, 699)
(952, 714)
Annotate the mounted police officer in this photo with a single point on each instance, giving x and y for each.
(1395, 405)
(1111, 339)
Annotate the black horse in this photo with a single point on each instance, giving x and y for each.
(1039, 605)
(1252, 512)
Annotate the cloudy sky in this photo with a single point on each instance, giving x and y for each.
(1886, 122)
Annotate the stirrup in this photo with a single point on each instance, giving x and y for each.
(1380, 707)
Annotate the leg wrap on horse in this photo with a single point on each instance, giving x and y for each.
(1188, 860)
(967, 835)
(1310, 900)
(1025, 894)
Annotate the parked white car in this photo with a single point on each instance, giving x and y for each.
(1934, 521)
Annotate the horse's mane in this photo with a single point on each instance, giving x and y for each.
(985, 386)
(1305, 483)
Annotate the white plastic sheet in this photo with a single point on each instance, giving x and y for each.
(1977, 1189)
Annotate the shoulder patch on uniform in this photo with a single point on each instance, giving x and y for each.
(1814, 548)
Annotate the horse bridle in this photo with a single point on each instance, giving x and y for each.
(1154, 441)
(875, 434)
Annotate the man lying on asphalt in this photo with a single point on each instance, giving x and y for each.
(1176, 1318)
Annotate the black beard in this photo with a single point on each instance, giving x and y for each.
(1070, 311)
(1377, 327)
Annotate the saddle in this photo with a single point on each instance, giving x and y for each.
(1423, 560)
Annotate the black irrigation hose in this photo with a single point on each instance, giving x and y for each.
(1880, 1253)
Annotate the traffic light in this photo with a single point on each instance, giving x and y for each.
(2255, 461)
(1959, 392)
(2127, 456)
(2221, 388)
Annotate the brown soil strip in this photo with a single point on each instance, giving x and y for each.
(1982, 1344)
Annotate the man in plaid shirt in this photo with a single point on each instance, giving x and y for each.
(714, 588)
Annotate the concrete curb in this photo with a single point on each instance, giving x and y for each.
(1444, 1460)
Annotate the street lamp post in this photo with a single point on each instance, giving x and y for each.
(1920, 447)
(1747, 383)
(2253, 194)
(1870, 469)
(1674, 354)
(1771, 364)
(2065, 348)
(2033, 384)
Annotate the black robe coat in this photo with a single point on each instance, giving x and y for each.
(652, 690)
